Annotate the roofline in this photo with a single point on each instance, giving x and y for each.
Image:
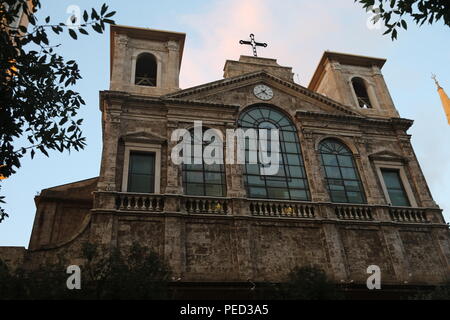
(144, 33)
(292, 85)
(67, 184)
(344, 58)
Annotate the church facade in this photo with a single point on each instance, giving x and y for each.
(350, 193)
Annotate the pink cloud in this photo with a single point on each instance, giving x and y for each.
(297, 32)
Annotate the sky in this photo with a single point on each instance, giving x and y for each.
(297, 31)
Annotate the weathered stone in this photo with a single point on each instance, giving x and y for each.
(236, 242)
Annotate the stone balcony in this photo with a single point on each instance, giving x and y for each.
(135, 203)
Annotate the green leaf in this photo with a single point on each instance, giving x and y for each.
(109, 15)
(394, 34)
(73, 34)
(83, 31)
(63, 121)
(404, 25)
(97, 28)
(104, 9)
(42, 149)
(94, 15)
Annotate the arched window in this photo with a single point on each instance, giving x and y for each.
(343, 182)
(290, 182)
(359, 86)
(203, 179)
(146, 70)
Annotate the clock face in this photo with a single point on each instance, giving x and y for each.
(263, 92)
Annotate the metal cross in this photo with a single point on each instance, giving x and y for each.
(433, 76)
(254, 44)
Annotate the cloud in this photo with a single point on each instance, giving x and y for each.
(219, 31)
(297, 33)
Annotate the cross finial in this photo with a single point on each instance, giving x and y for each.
(433, 76)
(254, 44)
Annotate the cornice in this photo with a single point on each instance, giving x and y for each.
(124, 97)
(262, 74)
(401, 123)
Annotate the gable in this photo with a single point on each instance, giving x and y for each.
(388, 156)
(143, 137)
(239, 91)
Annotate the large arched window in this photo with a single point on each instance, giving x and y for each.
(343, 182)
(203, 179)
(360, 88)
(290, 182)
(146, 70)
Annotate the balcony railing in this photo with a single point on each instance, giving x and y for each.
(140, 202)
(203, 205)
(276, 208)
(410, 215)
(349, 212)
(152, 203)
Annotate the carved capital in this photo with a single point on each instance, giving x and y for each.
(122, 41)
(307, 134)
(172, 45)
(376, 71)
(113, 117)
(406, 147)
(360, 140)
(336, 66)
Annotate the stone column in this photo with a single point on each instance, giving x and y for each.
(382, 93)
(111, 134)
(336, 252)
(313, 167)
(342, 87)
(415, 174)
(368, 177)
(118, 68)
(174, 179)
(442, 238)
(172, 68)
(174, 245)
(394, 245)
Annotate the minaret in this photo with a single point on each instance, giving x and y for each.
(444, 98)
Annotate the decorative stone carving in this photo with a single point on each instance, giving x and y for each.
(122, 41)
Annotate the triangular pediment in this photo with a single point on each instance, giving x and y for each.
(232, 91)
(144, 137)
(388, 156)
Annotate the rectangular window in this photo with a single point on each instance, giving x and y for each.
(395, 188)
(141, 172)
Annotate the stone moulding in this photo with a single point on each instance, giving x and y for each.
(134, 203)
(263, 74)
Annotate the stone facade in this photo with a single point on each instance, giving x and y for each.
(247, 239)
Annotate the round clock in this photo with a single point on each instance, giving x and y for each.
(263, 92)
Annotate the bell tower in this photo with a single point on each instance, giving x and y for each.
(145, 61)
(355, 81)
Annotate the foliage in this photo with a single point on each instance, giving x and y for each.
(393, 13)
(38, 110)
(139, 274)
(307, 283)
